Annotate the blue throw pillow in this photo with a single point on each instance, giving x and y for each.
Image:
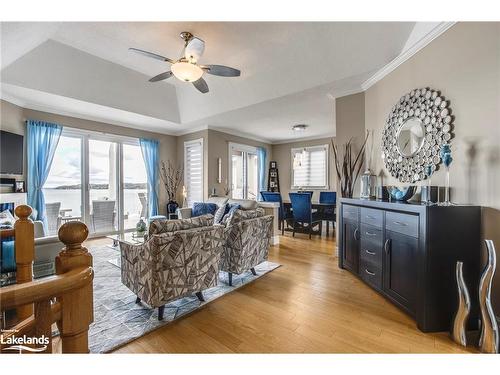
(201, 208)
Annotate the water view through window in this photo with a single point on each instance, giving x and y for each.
(63, 188)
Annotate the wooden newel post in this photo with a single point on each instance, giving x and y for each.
(24, 244)
(78, 305)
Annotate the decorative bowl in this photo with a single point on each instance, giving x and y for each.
(402, 193)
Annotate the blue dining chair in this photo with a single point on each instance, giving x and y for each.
(306, 192)
(303, 213)
(268, 196)
(328, 214)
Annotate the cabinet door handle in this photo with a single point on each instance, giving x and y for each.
(370, 252)
(355, 234)
(401, 223)
(370, 234)
(387, 245)
(369, 273)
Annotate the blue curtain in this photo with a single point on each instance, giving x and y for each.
(261, 155)
(42, 143)
(149, 148)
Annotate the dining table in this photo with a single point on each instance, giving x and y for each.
(322, 208)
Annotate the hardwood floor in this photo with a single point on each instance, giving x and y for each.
(308, 305)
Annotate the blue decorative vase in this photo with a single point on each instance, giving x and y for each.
(172, 207)
(141, 226)
(402, 194)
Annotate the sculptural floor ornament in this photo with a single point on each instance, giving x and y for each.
(459, 332)
(488, 341)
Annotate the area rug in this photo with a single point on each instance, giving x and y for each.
(119, 320)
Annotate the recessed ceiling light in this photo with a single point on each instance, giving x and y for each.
(299, 127)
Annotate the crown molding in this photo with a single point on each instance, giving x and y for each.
(305, 139)
(400, 59)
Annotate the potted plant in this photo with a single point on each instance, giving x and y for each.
(172, 178)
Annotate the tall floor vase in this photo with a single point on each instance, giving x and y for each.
(459, 331)
(488, 341)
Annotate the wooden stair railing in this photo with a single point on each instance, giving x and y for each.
(65, 298)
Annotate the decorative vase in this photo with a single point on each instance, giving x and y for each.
(459, 331)
(141, 226)
(368, 182)
(427, 197)
(445, 154)
(172, 206)
(488, 341)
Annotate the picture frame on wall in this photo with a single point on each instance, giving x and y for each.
(20, 187)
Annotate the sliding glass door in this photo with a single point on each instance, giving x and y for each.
(103, 186)
(63, 188)
(135, 191)
(97, 179)
(243, 171)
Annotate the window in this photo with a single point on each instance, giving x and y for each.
(310, 167)
(243, 171)
(98, 179)
(193, 171)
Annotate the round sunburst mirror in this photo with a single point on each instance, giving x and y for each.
(418, 125)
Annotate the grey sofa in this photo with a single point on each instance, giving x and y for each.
(245, 204)
(46, 250)
(179, 258)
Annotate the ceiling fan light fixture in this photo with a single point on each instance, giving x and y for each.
(299, 127)
(186, 71)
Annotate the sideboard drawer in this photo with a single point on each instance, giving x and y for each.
(402, 223)
(372, 216)
(371, 244)
(371, 273)
(350, 212)
(372, 235)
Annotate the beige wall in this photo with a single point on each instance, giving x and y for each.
(218, 147)
(464, 63)
(350, 123)
(13, 119)
(283, 156)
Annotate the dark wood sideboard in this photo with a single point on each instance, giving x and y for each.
(408, 252)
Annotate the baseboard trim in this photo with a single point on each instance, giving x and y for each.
(275, 240)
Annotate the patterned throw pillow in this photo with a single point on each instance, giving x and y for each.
(202, 208)
(230, 210)
(219, 214)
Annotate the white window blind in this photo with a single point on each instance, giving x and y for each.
(193, 171)
(310, 167)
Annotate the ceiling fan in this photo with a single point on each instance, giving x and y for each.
(186, 68)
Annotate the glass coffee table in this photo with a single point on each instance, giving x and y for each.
(132, 238)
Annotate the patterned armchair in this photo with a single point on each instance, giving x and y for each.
(172, 265)
(246, 243)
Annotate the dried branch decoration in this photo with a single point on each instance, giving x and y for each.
(172, 178)
(349, 167)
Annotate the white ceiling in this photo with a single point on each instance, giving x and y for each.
(290, 72)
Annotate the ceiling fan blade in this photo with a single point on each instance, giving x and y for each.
(201, 85)
(221, 70)
(161, 77)
(194, 49)
(152, 55)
